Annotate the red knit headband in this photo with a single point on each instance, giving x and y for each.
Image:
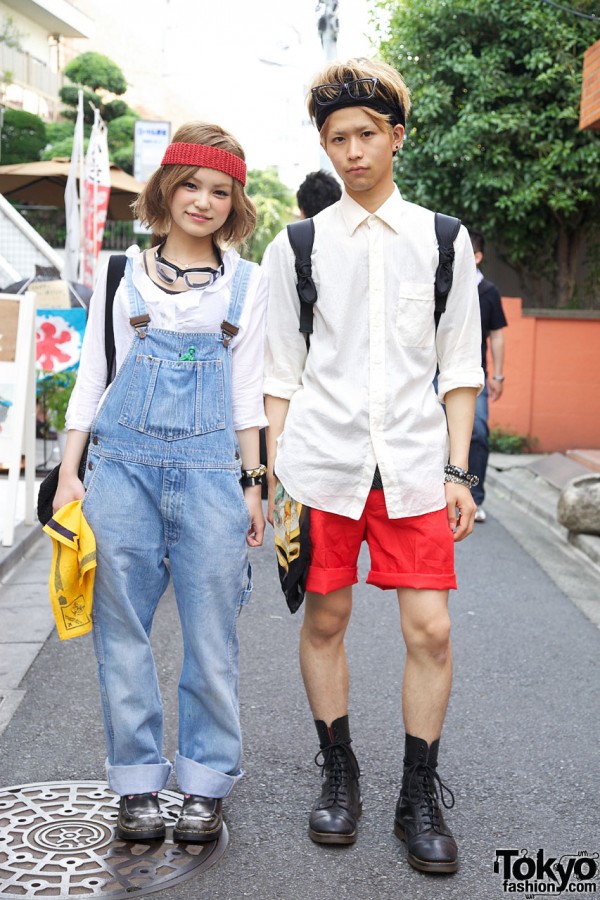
(180, 154)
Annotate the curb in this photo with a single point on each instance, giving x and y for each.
(539, 499)
(24, 538)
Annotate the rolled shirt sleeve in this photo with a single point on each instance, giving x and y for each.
(458, 338)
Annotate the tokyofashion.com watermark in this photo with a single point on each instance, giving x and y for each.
(536, 874)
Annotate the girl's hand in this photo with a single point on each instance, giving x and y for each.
(69, 488)
(256, 532)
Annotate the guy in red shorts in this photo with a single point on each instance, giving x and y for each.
(358, 434)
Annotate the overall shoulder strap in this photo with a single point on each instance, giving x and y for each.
(116, 270)
(446, 230)
(301, 236)
(239, 286)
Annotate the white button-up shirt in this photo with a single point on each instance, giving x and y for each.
(363, 396)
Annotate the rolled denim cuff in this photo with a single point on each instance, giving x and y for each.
(143, 779)
(194, 778)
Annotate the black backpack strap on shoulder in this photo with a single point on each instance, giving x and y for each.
(301, 235)
(116, 270)
(446, 230)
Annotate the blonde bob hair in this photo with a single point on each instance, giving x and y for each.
(390, 86)
(152, 206)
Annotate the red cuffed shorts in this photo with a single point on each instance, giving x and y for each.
(415, 552)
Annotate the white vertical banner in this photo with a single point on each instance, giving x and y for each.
(71, 267)
(96, 192)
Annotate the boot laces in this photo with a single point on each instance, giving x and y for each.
(339, 764)
(422, 790)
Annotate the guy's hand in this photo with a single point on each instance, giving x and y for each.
(272, 482)
(461, 510)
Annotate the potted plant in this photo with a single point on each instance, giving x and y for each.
(54, 392)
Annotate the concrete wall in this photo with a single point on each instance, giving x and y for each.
(552, 388)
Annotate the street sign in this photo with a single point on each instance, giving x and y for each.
(150, 142)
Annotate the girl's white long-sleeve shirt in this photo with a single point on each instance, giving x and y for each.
(189, 311)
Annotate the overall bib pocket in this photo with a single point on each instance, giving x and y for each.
(158, 402)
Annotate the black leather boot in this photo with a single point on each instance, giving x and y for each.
(140, 818)
(419, 820)
(334, 816)
(200, 821)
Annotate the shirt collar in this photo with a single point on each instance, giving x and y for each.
(389, 212)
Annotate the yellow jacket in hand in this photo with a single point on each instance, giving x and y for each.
(73, 570)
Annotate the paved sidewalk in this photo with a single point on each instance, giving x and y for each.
(531, 483)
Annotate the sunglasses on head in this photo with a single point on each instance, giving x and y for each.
(192, 278)
(357, 89)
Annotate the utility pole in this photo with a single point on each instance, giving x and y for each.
(328, 25)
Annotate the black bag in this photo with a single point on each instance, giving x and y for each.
(47, 489)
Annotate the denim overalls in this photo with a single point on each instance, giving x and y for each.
(162, 480)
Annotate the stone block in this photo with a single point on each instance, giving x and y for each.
(579, 505)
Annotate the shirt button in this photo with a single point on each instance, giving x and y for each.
(237, 455)
(95, 440)
(90, 466)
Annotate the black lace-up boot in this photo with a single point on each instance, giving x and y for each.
(419, 820)
(140, 818)
(334, 816)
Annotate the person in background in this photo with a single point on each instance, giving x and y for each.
(318, 191)
(493, 321)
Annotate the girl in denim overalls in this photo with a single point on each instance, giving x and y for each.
(169, 441)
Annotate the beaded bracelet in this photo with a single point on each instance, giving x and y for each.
(456, 475)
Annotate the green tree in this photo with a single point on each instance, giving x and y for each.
(10, 36)
(98, 77)
(274, 209)
(23, 137)
(69, 94)
(493, 136)
(96, 71)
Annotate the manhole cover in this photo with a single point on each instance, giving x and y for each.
(58, 840)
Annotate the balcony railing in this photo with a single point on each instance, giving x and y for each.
(22, 69)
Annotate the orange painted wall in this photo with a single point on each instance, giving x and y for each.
(589, 114)
(552, 387)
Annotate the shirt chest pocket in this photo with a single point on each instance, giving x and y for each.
(415, 322)
(173, 399)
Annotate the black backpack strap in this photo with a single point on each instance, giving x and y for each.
(301, 235)
(446, 230)
(116, 270)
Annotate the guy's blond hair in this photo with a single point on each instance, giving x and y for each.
(152, 206)
(390, 87)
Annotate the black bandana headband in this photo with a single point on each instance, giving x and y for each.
(386, 107)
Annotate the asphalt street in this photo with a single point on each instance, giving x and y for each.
(519, 749)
